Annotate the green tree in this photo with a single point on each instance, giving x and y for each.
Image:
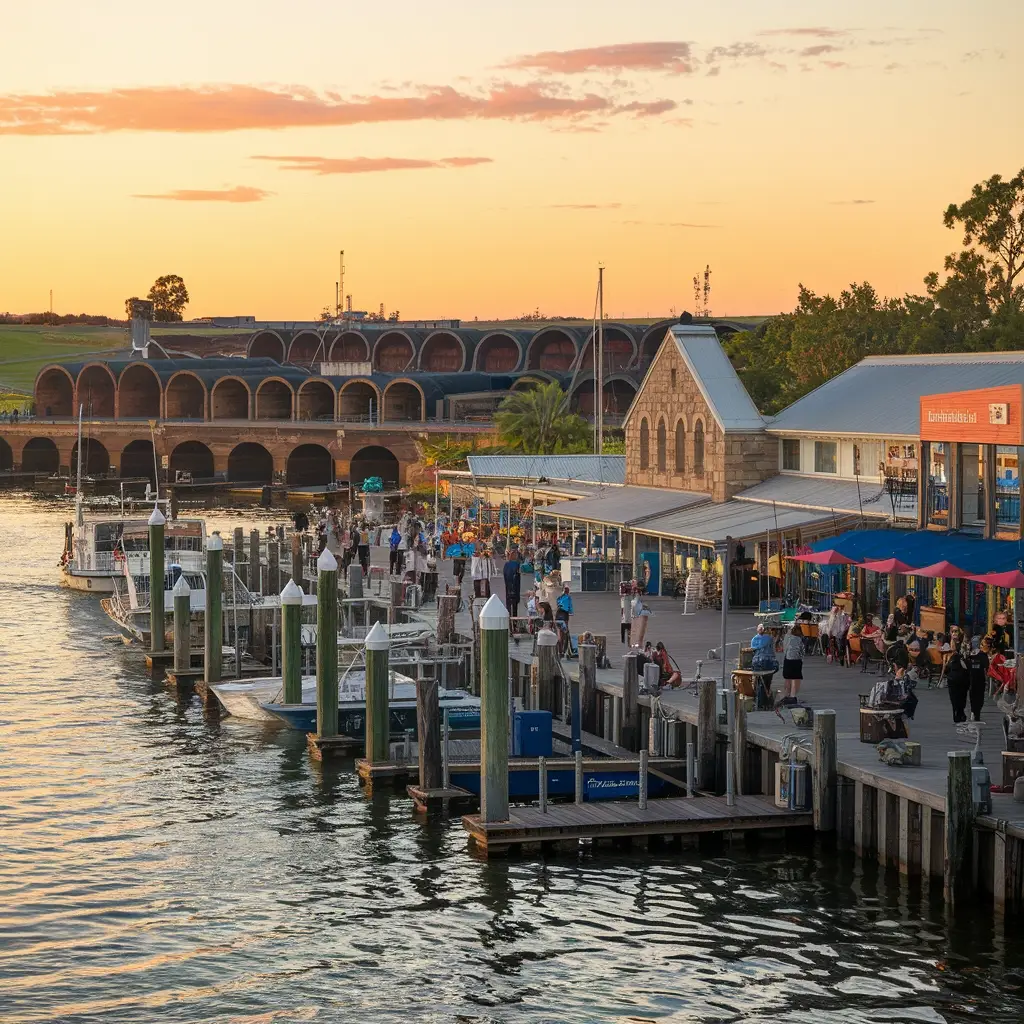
(536, 421)
(136, 307)
(169, 297)
(993, 223)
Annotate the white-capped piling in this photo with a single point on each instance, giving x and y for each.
(157, 522)
(494, 711)
(327, 646)
(182, 595)
(213, 639)
(291, 642)
(378, 644)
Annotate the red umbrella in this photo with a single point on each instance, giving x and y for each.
(947, 570)
(1013, 579)
(829, 557)
(888, 565)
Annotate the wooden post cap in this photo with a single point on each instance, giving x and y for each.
(327, 562)
(157, 517)
(291, 594)
(181, 588)
(215, 543)
(377, 639)
(494, 615)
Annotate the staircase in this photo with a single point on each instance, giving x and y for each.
(692, 593)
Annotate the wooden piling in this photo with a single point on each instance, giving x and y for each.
(739, 749)
(238, 551)
(213, 640)
(428, 724)
(588, 688)
(707, 719)
(254, 582)
(446, 605)
(273, 566)
(395, 601)
(826, 759)
(298, 573)
(157, 523)
(630, 707)
(494, 711)
(959, 822)
(548, 677)
(182, 596)
(327, 646)
(377, 726)
(291, 642)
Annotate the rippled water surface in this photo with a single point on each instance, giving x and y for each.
(157, 864)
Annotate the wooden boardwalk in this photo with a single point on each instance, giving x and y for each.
(614, 819)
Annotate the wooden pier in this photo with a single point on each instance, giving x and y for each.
(532, 828)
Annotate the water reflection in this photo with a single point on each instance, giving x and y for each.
(161, 863)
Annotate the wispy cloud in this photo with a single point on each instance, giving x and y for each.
(224, 108)
(673, 57)
(852, 202)
(238, 194)
(668, 224)
(817, 31)
(369, 164)
(819, 49)
(585, 206)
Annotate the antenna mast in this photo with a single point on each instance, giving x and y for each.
(599, 360)
(341, 278)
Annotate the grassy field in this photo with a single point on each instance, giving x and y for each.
(24, 349)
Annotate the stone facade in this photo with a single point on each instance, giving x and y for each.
(733, 461)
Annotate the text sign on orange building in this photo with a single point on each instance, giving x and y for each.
(984, 416)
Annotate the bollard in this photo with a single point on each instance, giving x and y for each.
(298, 573)
(213, 641)
(691, 768)
(182, 615)
(327, 646)
(494, 711)
(579, 776)
(643, 780)
(542, 783)
(291, 643)
(377, 727)
(156, 580)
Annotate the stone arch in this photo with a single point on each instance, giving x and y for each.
(40, 455)
(96, 390)
(581, 399)
(6, 456)
(662, 445)
(55, 393)
(645, 444)
(619, 349)
(275, 399)
(350, 347)
(267, 345)
(359, 401)
(375, 460)
(530, 380)
(619, 393)
(680, 444)
(250, 463)
(306, 348)
(230, 399)
(650, 341)
(97, 458)
(393, 352)
(698, 446)
(404, 400)
(498, 352)
(310, 465)
(553, 348)
(185, 397)
(442, 352)
(192, 457)
(317, 400)
(139, 394)
(137, 460)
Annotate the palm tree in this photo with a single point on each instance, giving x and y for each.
(535, 420)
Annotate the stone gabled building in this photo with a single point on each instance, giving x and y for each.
(692, 425)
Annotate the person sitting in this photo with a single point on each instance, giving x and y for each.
(668, 673)
(895, 691)
(898, 654)
(892, 630)
(1000, 636)
(1004, 677)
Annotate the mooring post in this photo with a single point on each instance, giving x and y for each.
(327, 646)
(706, 722)
(298, 572)
(588, 688)
(579, 776)
(377, 727)
(428, 721)
(691, 767)
(273, 565)
(182, 595)
(542, 783)
(575, 716)
(643, 780)
(291, 642)
(238, 551)
(547, 669)
(959, 822)
(255, 582)
(213, 626)
(446, 605)
(445, 760)
(739, 747)
(355, 591)
(157, 522)
(630, 708)
(494, 711)
(826, 773)
(397, 589)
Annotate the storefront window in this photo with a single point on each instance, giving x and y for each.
(825, 457)
(1007, 488)
(972, 502)
(938, 487)
(791, 454)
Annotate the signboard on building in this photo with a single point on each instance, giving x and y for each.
(984, 416)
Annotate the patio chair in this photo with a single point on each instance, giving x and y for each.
(872, 657)
(853, 649)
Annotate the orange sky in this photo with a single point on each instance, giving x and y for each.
(479, 159)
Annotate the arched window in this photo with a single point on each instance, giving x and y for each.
(698, 447)
(645, 445)
(680, 447)
(662, 444)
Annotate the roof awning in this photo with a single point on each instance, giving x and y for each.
(625, 506)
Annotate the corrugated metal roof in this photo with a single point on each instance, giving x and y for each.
(826, 495)
(609, 469)
(625, 506)
(741, 520)
(880, 396)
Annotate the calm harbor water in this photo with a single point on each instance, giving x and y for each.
(159, 864)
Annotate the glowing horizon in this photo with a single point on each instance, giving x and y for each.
(477, 162)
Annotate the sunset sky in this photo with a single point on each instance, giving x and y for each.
(480, 159)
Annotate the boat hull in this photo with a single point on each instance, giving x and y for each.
(352, 718)
(88, 582)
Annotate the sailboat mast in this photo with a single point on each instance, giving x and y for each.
(599, 360)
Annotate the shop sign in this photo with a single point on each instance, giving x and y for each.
(984, 416)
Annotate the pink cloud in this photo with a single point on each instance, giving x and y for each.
(817, 51)
(238, 194)
(659, 56)
(369, 164)
(223, 108)
(818, 31)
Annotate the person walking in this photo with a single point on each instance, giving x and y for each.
(958, 682)
(393, 541)
(513, 573)
(792, 664)
(977, 677)
(364, 546)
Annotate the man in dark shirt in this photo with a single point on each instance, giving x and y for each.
(513, 574)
